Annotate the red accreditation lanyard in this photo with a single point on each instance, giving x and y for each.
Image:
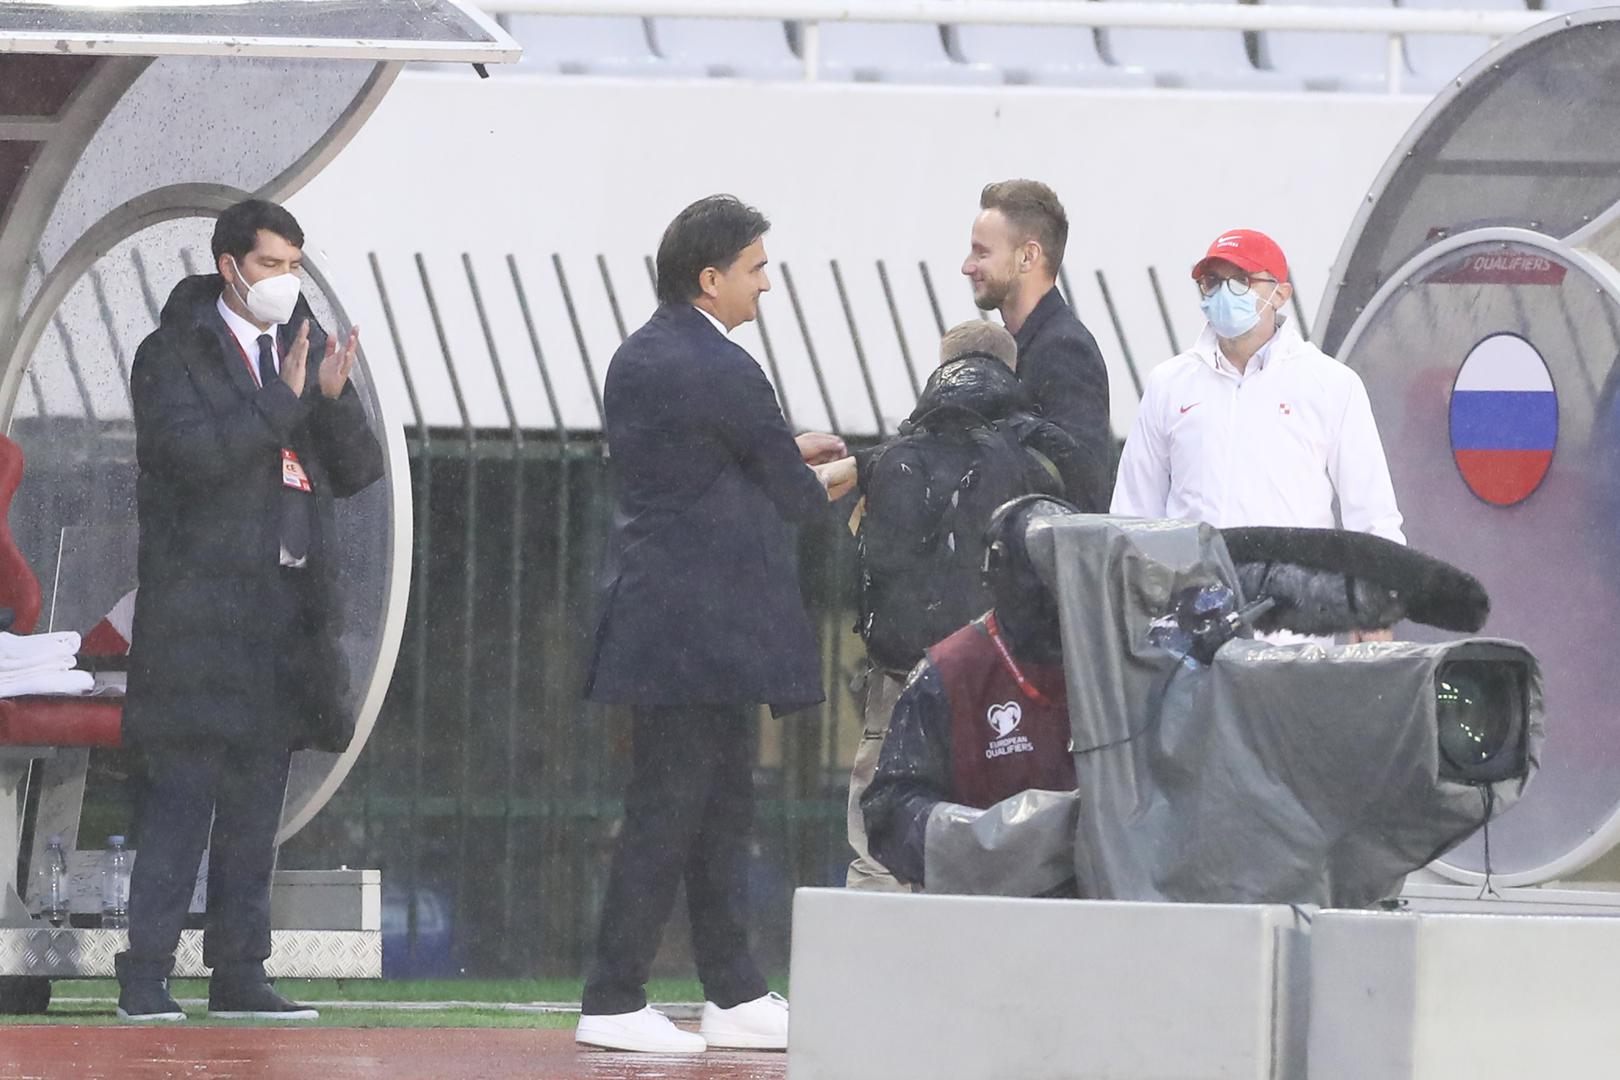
(1013, 669)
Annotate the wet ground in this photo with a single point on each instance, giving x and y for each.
(223, 1053)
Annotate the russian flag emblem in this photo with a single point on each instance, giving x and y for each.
(1504, 419)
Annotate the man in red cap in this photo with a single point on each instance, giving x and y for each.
(1254, 425)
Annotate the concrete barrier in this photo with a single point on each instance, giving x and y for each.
(1404, 996)
(895, 987)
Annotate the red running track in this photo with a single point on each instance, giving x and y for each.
(223, 1053)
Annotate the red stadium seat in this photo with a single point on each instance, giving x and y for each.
(60, 721)
(41, 720)
(19, 588)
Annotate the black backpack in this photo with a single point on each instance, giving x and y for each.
(929, 495)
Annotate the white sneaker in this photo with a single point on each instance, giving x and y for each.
(646, 1030)
(761, 1024)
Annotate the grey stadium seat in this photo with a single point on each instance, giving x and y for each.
(1435, 59)
(592, 45)
(1327, 60)
(1043, 55)
(1198, 59)
(894, 52)
(742, 48)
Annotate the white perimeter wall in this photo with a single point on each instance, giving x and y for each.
(531, 165)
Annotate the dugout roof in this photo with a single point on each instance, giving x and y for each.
(362, 29)
(124, 129)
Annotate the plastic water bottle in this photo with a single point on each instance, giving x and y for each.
(54, 896)
(115, 885)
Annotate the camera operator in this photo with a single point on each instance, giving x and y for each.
(985, 716)
(970, 445)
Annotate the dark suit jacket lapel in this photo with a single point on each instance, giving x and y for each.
(230, 352)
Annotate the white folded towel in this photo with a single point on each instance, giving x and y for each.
(38, 646)
(14, 665)
(49, 682)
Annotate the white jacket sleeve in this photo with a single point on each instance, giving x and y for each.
(1142, 487)
(1360, 472)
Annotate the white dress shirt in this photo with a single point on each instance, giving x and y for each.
(247, 335)
(718, 325)
(1273, 444)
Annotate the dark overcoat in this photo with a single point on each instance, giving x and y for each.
(204, 659)
(700, 600)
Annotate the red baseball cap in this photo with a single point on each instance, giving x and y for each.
(1249, 251)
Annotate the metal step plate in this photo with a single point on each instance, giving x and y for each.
(300, 954)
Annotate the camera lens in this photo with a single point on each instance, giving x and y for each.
(1479, 714)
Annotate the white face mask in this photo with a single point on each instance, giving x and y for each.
(1231, 315)
(271, 299)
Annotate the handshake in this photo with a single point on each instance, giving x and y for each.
(831, 460)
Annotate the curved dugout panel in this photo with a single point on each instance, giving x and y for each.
(75, 512)
(1491, 365)
(1478, 298)
(124, 164)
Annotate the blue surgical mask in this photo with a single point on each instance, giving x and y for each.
(1231, 316)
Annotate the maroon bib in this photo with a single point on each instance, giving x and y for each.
(1003, 739)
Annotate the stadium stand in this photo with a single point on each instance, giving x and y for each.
(1330, 61)
(1195, 59)
(1436, 59)
(593, 45)
(1043, 56)
(729, 48)
(973, 54)
(895, 52)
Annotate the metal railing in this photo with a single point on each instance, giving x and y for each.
(488, 785)
(1394, 22)
(478, 343)
(847, 342)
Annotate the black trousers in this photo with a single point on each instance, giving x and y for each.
(242, 788)
(688, 811)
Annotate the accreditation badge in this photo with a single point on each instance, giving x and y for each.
(292, 472)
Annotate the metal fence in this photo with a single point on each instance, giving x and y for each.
(490, 792)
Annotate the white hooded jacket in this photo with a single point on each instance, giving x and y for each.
(1271, 445)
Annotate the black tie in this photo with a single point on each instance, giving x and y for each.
(267, 359)
(295, 509)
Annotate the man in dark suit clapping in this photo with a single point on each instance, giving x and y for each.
(701, 622)
(247, 428)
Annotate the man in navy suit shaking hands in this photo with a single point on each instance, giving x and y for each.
(701, 622)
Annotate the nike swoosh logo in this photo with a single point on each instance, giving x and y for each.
(1194, 405)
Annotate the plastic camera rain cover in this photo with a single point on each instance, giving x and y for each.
(1296, 773)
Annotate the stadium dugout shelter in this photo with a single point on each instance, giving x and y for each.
(1478, 296)
(124, 130)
